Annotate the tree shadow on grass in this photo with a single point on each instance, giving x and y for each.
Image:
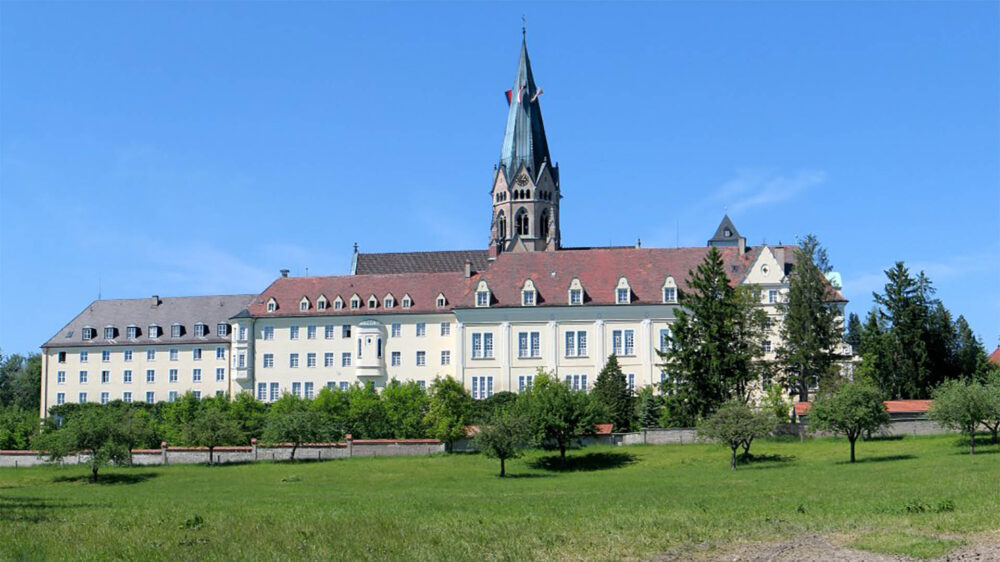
(760, 462)
(527, 475)
(114, 478)
(884, 438)
(885, 458)
(31, 509)
(980, 450)
(584, 463)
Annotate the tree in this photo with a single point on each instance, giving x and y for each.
(213, 427)
(450, 410)
(405, 407)
(970, 357)
(484, 409)
(715, 345)
(366, 414)
(962, 405)
(105, 434)
(854, 409)
(17, 425)
(249, 414)
(178, 416)
(992, 419)
(650, 407)
(905, 306)
(557, 414)
(810, 331)
(735, 425)
(292, 420)
(21, 381)
(853, 335)
(503, 436)
(612, 393)
(333, 406)
(774, 402)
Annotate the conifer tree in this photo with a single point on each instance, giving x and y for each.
(612, 394)
(853, 335)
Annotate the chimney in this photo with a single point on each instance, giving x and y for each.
(468, 268)
(284, 273)
(779, 254)
(156, 301)
(742, 245)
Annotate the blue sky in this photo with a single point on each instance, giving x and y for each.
(190, 148)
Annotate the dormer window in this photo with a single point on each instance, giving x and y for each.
(176, 329)
(441, 302)
(154, 331)
(321, 303)
(109, 332)
(669, 291)
(482, 294)
(338, 303)
(407, 301)
(304, 304)
(222, 329)
(575, 292)
(87, 333)
(132, 332)
(623, 293)
(355, 302)
(529, 296)
(200, 329)
(389, 301)
(372, 302)
(272, 304)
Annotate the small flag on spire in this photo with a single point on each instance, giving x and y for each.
(538, 93)
(509, 93)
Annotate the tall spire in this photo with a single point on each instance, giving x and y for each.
(524, 139)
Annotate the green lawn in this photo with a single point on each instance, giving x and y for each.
(918, 496)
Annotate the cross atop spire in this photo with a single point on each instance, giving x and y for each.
(524, 140)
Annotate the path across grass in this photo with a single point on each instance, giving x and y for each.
(910, 495)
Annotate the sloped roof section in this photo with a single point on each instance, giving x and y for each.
(524, 142)
(162, 311)
(420, 262)
(726, 234)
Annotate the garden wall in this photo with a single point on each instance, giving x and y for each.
(227, 455)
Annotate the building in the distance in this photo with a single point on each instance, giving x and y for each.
(488, 317)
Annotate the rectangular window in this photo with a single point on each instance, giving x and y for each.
(421, 358)
(128, 355)
(311, 332)
(310, 359)
(328, 360)
(105, 396)
(241, 360)
(482, 298)
(220, 374)
(421, 329)
(293, 332)
(61, 358)
(172, 375)
(126, 396)
(488, 346)
(196, 375)
(221, 329)
(630, 378)
(243, 333)
(345, 331)
(344, 386)
(83, 397)
(267, 333)
(127, 376)
(297, 389)
(150, 355)
(524, 382)
(527, 298)
(395, 358)
(105, 377)
(197, 394)
(150, 397)
(345, 359)
(268, 360)
(172, 396)
(522, 344)
(577, 382)
(629, 342)
(293, 360)
(61, 398)
(446, 357)
(395, 330)
(309, 390)
(536, 344)
(262, 391)
(477, 346)
(109, 333)
(83, 377)
(482, 387)
(328, 331)
(175, 331)
(220, 353)
(623, 296)
(61, 377)
(105, 356)
(772, 296)
(174, 354)
(570, 344)
(84, 356)
(664, 340)
(132, 332)
(422, 385)
(150, 375)
(274, 391)
(576, 296)
(196, 354)
(669, 294)
(767, 346)
(200, 330)
(445, 328)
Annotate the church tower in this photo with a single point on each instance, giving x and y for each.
(526, 183)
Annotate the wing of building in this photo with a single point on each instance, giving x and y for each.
(489, 317)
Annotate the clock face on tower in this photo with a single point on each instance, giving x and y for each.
(522, 181)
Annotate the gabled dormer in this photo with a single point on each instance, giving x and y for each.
(389, 301)
(355, 302)
(322, 303)
(304, 304)
(338, 303)
(440, 301)
(407, 301)
(575, 294)
(529, 295)
(272, 305)
(484, 297)
(372, 301)
(623, 291)
(669, 290)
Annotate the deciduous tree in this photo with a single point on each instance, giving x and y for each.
(104, 434)
(556, 413)
(503, 436)
(854, 409)
(292, 420)
(735, 425)
(213, 427)
(963, 405)
(450, 410)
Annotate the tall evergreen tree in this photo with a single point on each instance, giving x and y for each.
(853, 335)
(970, 357)
(876, 357)
(715, 344)
(612, 394)
(810, 331)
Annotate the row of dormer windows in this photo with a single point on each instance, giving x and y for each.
(355, 302)
(154, 331)
(576, 294)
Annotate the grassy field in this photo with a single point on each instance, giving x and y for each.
(919, 496)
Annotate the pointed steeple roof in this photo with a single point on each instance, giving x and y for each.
(524, 139)
(726, 234)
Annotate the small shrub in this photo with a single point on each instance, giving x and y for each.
(194, 522)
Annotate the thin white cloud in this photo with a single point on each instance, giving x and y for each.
(755, 188)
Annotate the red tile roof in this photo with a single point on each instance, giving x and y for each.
(603, 428)
(893, 406)
(420, 262)
(995, 356)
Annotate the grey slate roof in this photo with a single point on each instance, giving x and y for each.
(524, 141)
(121, 313)
(420, 262)
(720, 238)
